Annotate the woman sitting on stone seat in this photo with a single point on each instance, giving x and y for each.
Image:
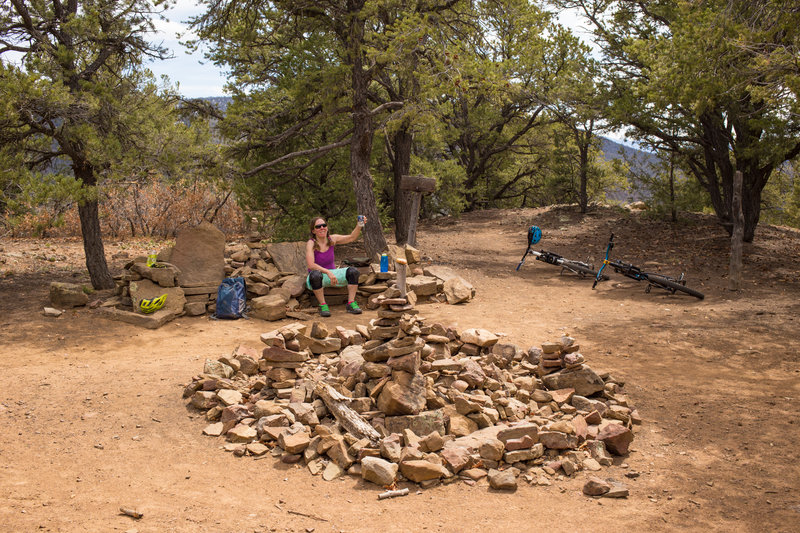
(322, 271)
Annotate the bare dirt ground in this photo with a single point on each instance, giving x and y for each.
(93, 419)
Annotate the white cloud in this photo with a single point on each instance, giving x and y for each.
(183, 9)
(573, 21)
(197, 77)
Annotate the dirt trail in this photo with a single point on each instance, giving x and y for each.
(93, 417)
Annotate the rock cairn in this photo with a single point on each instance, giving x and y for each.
(398, 399)
(275, 277)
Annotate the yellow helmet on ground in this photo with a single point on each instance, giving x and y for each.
(151, 305)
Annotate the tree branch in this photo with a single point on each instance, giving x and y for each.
(387, 105)
(345, 140)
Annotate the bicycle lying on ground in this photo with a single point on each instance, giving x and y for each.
(580, 268)
(653, 280)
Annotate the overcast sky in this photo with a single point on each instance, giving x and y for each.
(197, 77)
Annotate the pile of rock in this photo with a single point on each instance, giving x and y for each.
(190, 273)
(399, 399)
(268, 268)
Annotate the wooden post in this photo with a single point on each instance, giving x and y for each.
(418, 185)
(735, 272)
(416, 200)
(400, 267)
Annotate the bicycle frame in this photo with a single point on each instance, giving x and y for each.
(577, 267)
(547, 257)
(609, 247)
(628, 270)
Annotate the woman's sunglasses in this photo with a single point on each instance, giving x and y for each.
(320, 226)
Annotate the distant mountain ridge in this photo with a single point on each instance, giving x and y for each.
(644, 163)
(220, 102)
(614, 150)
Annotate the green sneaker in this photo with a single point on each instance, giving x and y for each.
(353, 307)
(324, 310)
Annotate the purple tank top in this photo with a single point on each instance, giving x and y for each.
(325, 259)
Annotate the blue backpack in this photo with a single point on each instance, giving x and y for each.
(231, 298)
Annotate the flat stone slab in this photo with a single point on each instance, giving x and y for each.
(473, 441)
(207, 289)
(440, 271)
(421, 424)
(153, 321)
(144, 288)
(164, 276)
(199, 254)
(422, 285)
(289, 256)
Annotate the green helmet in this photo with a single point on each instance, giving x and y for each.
(151, 305)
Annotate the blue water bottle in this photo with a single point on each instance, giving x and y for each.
(384, 263)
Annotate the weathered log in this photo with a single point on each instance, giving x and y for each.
(417, 184)
(133, 513)
(345, 415)
(393, 494)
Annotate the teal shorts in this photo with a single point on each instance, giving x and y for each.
(339, 273)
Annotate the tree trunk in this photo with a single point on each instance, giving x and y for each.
(92, 235)
(672, 206)
(583, 197)
(583, 139)
(402, 199)
(361, 145)
(722, 154)
(721, 193)
(751, 207)
(735, 269)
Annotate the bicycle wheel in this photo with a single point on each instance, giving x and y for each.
(673, 285)
(582, 269)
